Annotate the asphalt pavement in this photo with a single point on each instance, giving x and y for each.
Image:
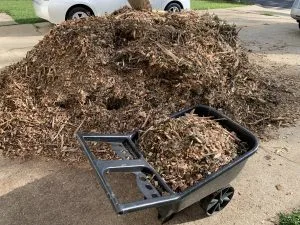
(274, 3)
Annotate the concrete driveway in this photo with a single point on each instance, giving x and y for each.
(50, 192)
(269, 32)
(16, 40)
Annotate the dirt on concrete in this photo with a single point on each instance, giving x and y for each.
(29, 190)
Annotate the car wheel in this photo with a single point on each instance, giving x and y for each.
(299, 24)
(173, 7)
(78, 13)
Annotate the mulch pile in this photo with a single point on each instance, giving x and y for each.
(116, 73)
(189, 148)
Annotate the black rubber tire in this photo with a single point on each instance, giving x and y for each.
(173, 5)
(299, 24)
(78, 9)
(217, 201)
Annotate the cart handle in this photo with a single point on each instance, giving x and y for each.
(103, 167)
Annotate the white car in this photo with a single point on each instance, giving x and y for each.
(295, 11)
(57, 11)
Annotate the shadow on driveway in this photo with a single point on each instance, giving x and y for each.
(72, 196)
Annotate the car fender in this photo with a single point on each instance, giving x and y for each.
(185, 3)
(108, 6)
(59, 8)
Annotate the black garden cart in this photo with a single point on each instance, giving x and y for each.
(213, 193)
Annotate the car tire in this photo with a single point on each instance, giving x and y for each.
(173, 7)
(78, 13)
(299, 24)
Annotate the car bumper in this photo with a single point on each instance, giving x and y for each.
(295, 11)
(41, 8)
(295, 14)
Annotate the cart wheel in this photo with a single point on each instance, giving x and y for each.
(217, 201)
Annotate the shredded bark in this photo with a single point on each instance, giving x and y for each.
(127, 70)
(188, 149)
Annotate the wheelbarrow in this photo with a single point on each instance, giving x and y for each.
(213, 193)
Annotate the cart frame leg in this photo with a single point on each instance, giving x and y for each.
(165, 213)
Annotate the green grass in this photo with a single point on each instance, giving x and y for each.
(20, 10)
(215, 4)
(290, 219)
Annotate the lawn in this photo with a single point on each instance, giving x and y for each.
(215, 4)
(290, 219)
(20, 10)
